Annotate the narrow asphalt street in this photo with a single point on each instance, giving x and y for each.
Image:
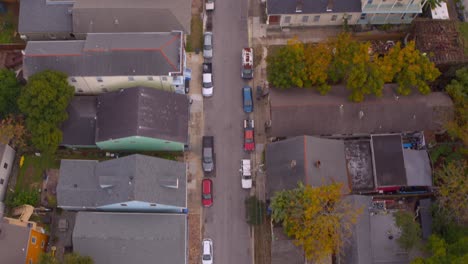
(225, 222)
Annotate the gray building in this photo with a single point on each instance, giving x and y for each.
(74, 19)
(122, 238)
(106, 62)
(298, 112)
(133, 119)
(135, 183)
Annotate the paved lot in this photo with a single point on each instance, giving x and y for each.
(225, 221)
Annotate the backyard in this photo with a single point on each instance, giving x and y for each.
(8, 23)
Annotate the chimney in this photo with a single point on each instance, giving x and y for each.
(293, 164)
(329, 5)
(299, 6)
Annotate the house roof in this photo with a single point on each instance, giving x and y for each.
(278, 7)
(283, 249)
(370, 242)
(107, 54)
(359, 163)
(142, 111)
(417, 167)
(123, 238)
(295, 160)
(425, 206)
(13, 242)
(44, 16)
(388, 160)
(297, 112)
(79, 128)
(90, 16)
(89, 183)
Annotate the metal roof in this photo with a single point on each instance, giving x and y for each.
(388, 160)
(107, 54)
(91, 184)
(122, 238)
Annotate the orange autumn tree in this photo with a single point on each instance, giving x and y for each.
(317, 218)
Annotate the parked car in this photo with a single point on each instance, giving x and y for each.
(208, 45)
(247, 99)
(249, 140)
(246, 177)
(208, 154)
(207, 89)
(207, 193)
(247, 63)
(207, 249)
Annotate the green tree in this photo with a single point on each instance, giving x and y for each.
(434, 3)
(410, 230)
(458, 91)
(44, 101)
(409, 68)
(286, 66)
(365, 77)
(343, 49)
(452, 189)
(317, 60)
(22, 197)
(318, 218)
(70, 258)
(47, 258)
(9, 92)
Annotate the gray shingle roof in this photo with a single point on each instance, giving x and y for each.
(292, 160)
(124, 54)
(79, 128)
(143, 112)
(275, 7)
(45, 16)
(91, 16)
(89, 183)
(122, 238)
(13, 242)
(304, 112)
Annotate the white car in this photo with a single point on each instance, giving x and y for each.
(246, 171)
(209, 5)
(207, 249)
(207, 90)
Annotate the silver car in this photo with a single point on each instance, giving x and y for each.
(208, 45)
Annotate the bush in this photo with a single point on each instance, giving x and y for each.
(19, 198)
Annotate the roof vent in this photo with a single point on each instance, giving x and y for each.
(317, 164)
(330, 6)
(299, 4)
(116, 22)
(361, 114)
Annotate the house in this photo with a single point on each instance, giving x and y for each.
(294, 13)
(107, 62)
(373, 164)
(374, 237)
(309, 160)
(134, 119)
(21, 242)
(297, 112)
(74, 19)
(135, 183)
(7, 156)
(117, 16)
(122, 238)
(45, 20)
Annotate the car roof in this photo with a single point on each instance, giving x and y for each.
(207, 183)
(206, 245)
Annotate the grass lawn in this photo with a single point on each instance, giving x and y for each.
(463, 30)
(30, 174)
(195, 39)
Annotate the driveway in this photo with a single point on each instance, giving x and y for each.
(225, 221)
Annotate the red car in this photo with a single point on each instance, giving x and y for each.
(249, 141)
(207, 192)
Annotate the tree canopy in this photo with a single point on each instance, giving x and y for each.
(458, 91)
(9, 92)
(345, 60)
(317, 218)
(410, 230)
(70, 258)
(44, 101)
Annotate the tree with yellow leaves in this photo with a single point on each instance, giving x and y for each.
(317, 218)
(317, 60)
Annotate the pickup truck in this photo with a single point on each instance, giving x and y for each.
(246, 177)
(247, 63)
(208, 154)
(207, 85)
(209, 5)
